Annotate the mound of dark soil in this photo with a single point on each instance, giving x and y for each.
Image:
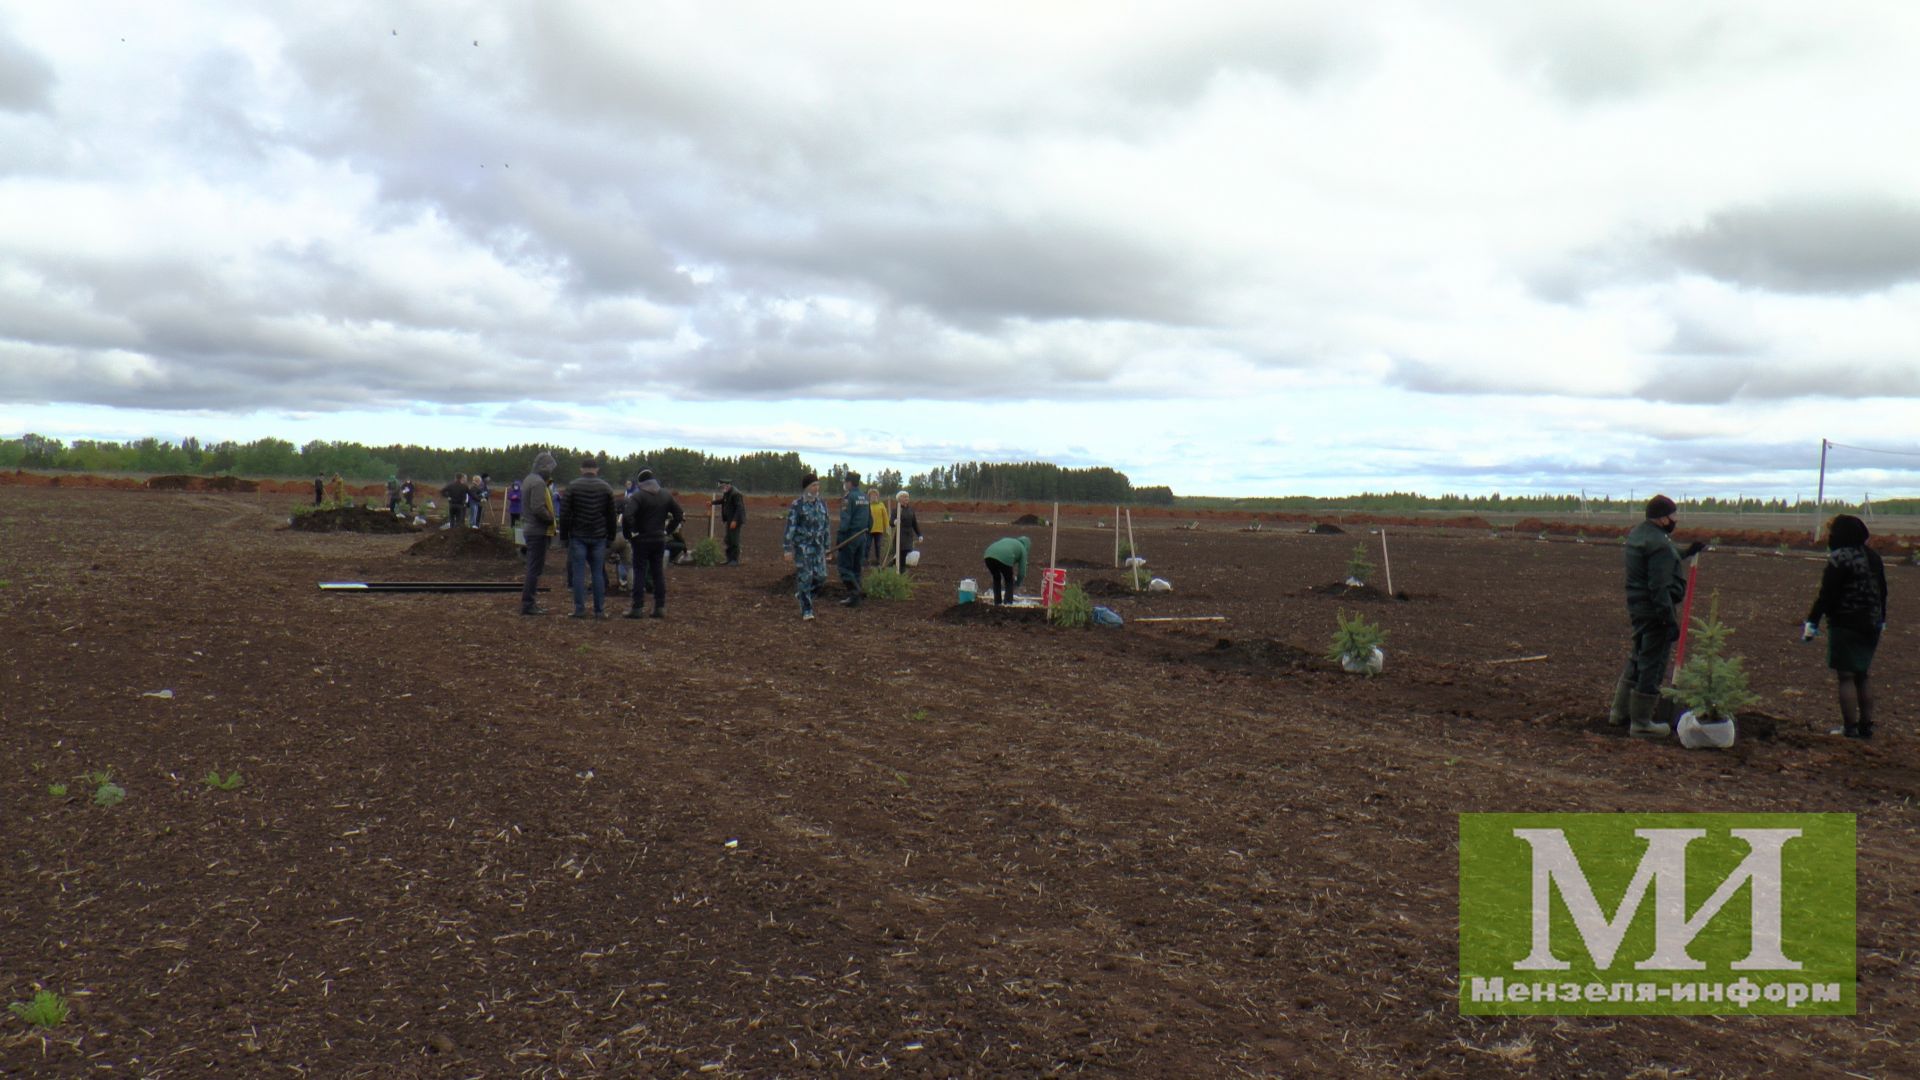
(1368, 593)
(1324, 529)
(991, 615)
(1081, 564)
(478, 544)
(1262, 655)
(357, 519)
(1100, 588)
(1028, 519)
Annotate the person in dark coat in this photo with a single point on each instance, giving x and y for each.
(587, 524)
(651, 515)
(908, 524)
(542, 523)
(856, 520)
(733, 518)
(1853, 600)
(319, 490)
(456, 496)
(1656, 583)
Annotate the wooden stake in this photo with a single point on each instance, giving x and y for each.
(1388, 559)
(1518, 660)
(1184, 618)
(1116, 536)
(898, 538)
(710, 519)
(1053, 556)
(1136, 551)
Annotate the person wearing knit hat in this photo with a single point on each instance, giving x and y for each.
(805, 542)
(1853, 600)
(1656, 580)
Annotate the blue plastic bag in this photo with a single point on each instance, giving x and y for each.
(1106, 616)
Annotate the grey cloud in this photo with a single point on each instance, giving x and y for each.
(26, 78)
(1715, 381)
(1830, 245)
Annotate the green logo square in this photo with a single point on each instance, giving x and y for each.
(1721, 914)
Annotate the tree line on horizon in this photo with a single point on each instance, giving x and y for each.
(776, 473)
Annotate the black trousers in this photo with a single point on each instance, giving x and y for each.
(650, 572)
(1002, 576)
(536, 562)
(733, 542)
(1653, 640)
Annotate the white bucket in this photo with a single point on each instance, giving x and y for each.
(969, 589)
(913, 558)
(1367, 665)
(1697, 735)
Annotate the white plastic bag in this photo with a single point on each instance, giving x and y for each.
(1695, 735)
(1159, 584)
(913, 558)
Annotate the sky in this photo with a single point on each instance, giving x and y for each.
(1235, 248)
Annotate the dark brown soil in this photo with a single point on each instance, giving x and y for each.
(1366, 593)
(1324, 529)
(731, 843)
(1028, 519)
(482, 544)
(355, 519)
(229, 484)
(991, 615)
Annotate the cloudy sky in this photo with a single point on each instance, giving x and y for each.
(1252, 248)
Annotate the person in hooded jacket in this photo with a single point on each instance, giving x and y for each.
(1853, 600)
(1656, 583)
(1006, 560)
(649, 516)
(804, 543)
(393, 492)
(537, 493)
(513, 503)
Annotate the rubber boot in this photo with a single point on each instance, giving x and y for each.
(1622, 695)
(1640, 712)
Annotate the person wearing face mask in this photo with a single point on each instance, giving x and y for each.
(1656, 585)
(1853, 600)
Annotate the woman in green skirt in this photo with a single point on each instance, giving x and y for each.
(1853, 599)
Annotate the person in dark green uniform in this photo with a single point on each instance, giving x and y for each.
(1656, 584)
(856, 520)
(1853, 599)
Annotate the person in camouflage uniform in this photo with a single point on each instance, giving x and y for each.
(805, 544)
(1656, 580)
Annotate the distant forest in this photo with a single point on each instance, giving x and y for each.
(768, 472)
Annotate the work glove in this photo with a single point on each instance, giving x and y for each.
(1809, 631)
(1693, 549)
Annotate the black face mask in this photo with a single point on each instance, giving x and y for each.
(1669, 526)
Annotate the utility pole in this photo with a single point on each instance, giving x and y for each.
(1820, 494)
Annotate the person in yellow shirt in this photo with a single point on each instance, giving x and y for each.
(878, 533)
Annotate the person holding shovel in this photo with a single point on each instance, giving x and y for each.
(733, 517)
(856, 519)
(1656, 585)
(1007, 564)
(1853, 600)
(804, 544)
(907, 524)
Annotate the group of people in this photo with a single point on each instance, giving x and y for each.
(863, 524)
(1852, 600)
(467, 496)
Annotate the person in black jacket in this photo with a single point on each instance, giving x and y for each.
(1853, 599)
(588, 522)
(908, 525)
(456, 496)
(650, 515)
(733, 518)
(1656, 583)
